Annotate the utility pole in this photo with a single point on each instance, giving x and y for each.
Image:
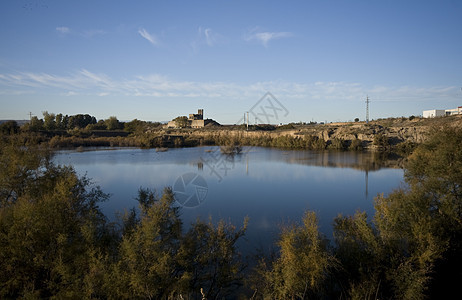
(367, 109)
(247, 121)
(30, 116)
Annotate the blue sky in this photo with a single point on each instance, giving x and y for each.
(155, 60)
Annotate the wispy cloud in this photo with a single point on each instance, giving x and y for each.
(93, 32)
(155, 85)
(264, 37)
(209, 36)
(63, 30)
(206, 36)
(148, 36)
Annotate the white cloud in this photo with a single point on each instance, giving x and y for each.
(63, 30)
(150, 37)
(155, 85)
(264, 37)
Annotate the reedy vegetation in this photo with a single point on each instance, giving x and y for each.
(55, 242)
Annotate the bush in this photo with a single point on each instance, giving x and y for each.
(337, 144)
(356, 145)
(9, 128)
(381, 141)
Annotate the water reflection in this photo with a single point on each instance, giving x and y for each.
(270, 186)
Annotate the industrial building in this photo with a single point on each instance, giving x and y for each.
(433, 113)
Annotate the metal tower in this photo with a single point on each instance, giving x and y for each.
(367, 109)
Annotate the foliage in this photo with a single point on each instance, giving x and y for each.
(135, 126)
(394, 256)
(34, 125)
(9, 128)
(52, 122)
(210, 259)
(181, 122)
(381, 140)
(356, 145)
(405, 148)
(147, 266)
(100, 125)
(302, 269)
(231, 147)
(436, 165)
(79, 121)
(338, 144)
(59, 122)
(51, 230)
(435, 168)
(157, 260)
(55, 242)
(285, 127)
(113, 123)
(21, 165)
(264, 127)
(49, 122)
(412, 248)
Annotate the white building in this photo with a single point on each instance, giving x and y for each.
(433, 113)
(441, 113)
(454, 111)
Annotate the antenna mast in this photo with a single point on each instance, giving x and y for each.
(367, 109)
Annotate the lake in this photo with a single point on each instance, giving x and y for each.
(270, 186)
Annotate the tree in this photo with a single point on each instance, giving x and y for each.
(59, 122)
(412, 248)
(394, 256)
(51, 230)
(80, 121)
(210, 259)
(435, 169)
(181, 122)
(135, 126)
(9, 127)
(157, 260)
(436, 166)
(147, 266)
(113, 124)
(35, 124)
(302, 269)
(356, 119)
(49, 121)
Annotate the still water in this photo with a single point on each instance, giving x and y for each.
(271, 186)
